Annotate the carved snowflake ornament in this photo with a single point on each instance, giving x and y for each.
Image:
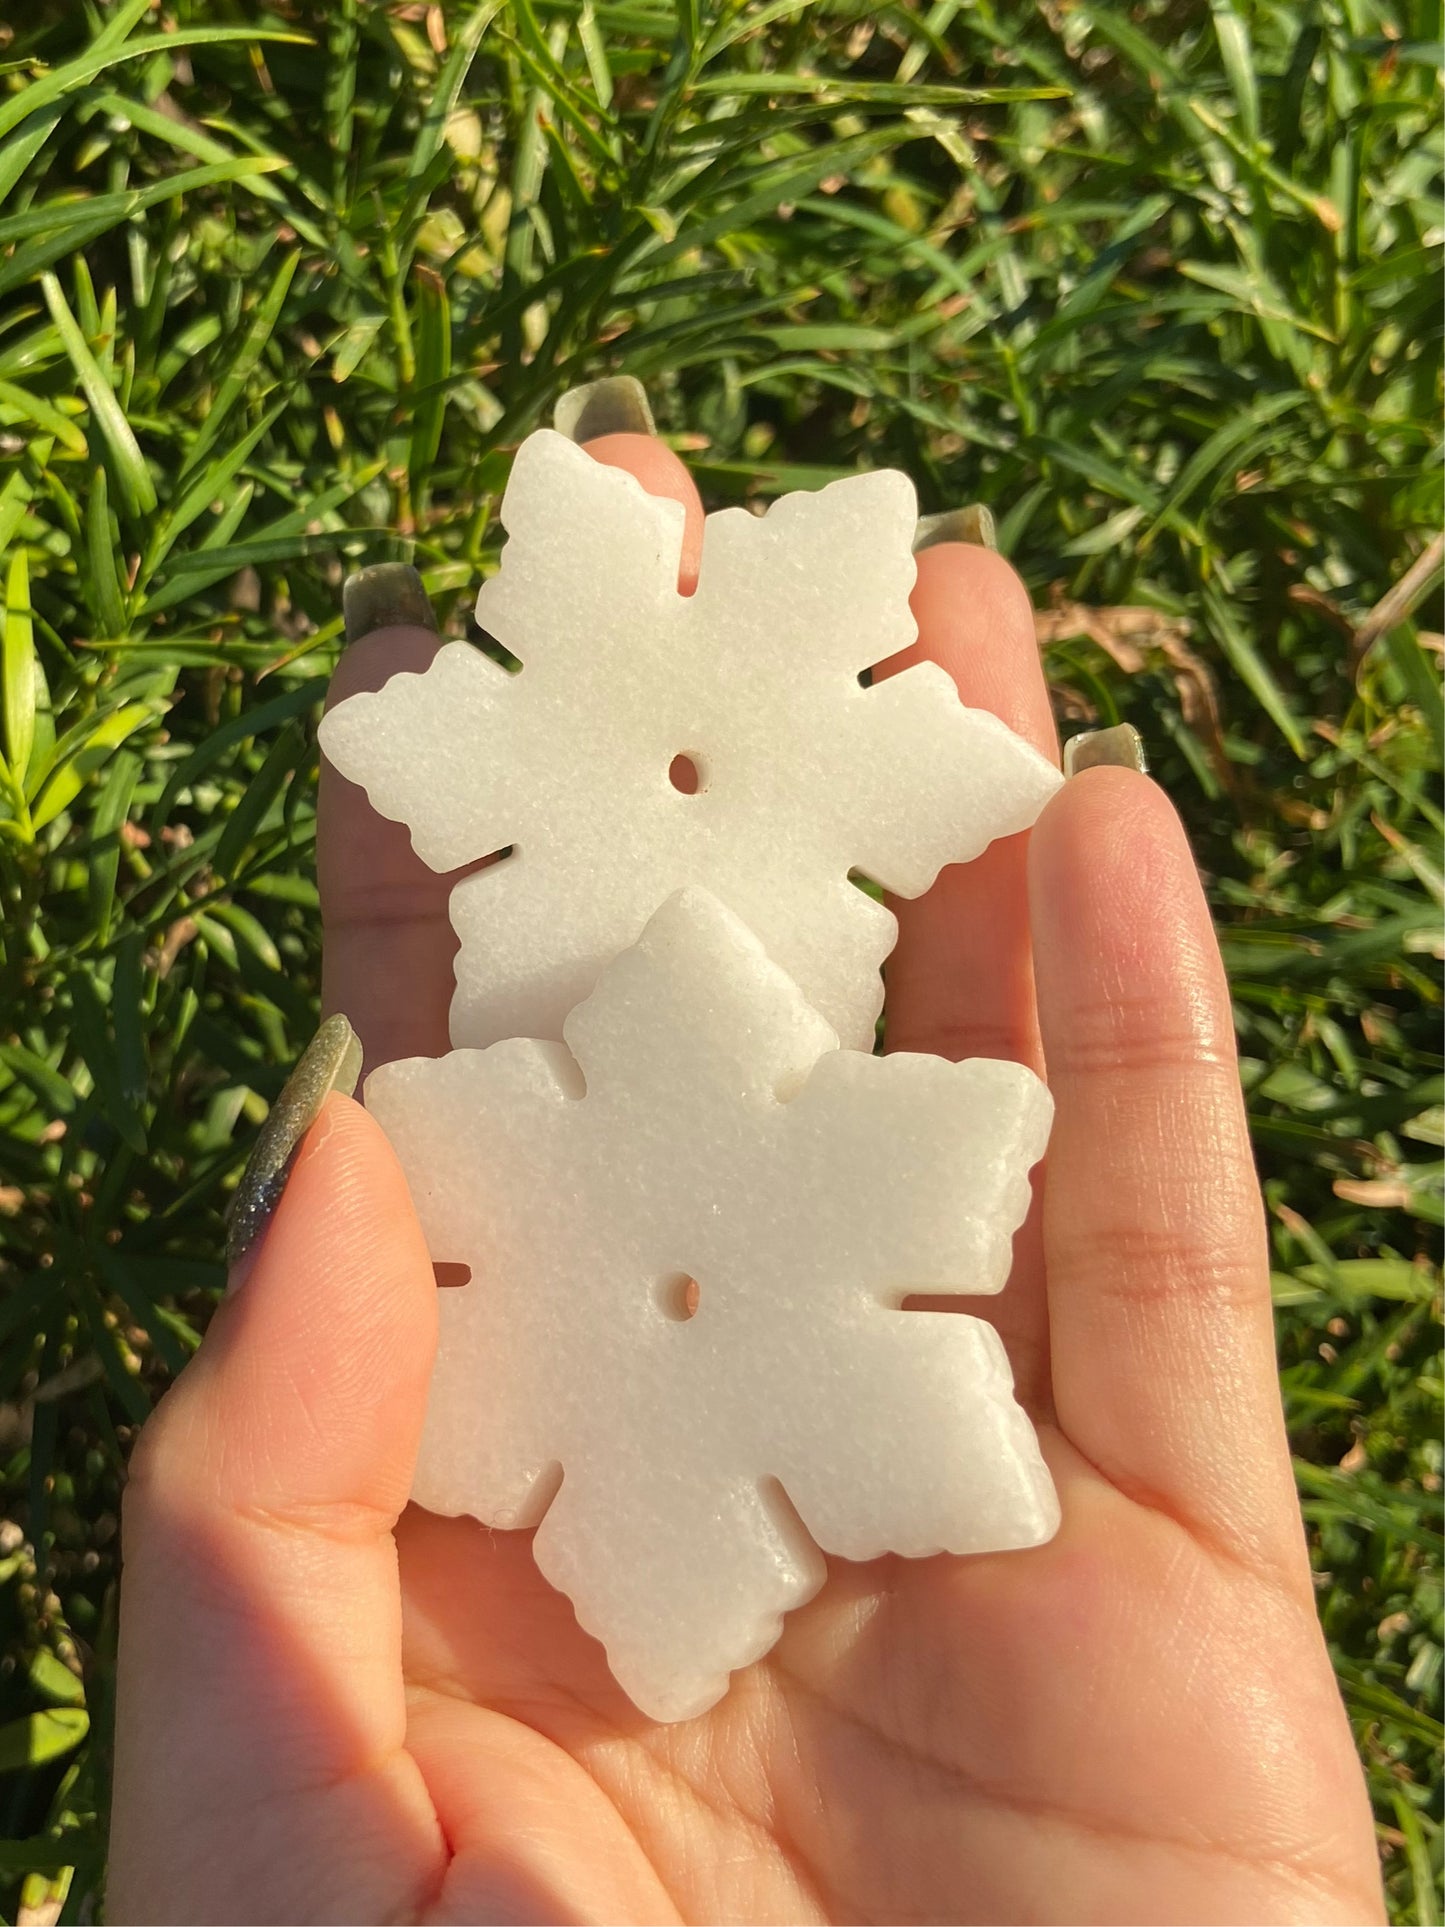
(690, 1231)
(803, 775)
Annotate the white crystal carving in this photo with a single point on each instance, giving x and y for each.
(805, 774)
(700, 1124)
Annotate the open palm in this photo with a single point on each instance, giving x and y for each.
(330, 1712)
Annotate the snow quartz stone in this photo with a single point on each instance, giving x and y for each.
(682, 1355)
(692, 1226)
(803, 774)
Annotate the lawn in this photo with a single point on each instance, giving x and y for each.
(281, 286)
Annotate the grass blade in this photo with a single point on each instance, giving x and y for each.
(64, 783)
(66, 220)
(1418, 1858)
(38, 94)
(210, 486)
(91, 1034)
(281, 764)
(1239, 65)
(450, 82)
(119, 29)
(19, 668)
(1421, 678)
(246, 359)
(112, 807)
(137, 488)
(432, 334)
(30, 407)
(1251, 666)
(18, 152)
(42, 1737)
(107, 596)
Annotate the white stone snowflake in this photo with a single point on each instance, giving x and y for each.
(805, 775)
(700, 1131)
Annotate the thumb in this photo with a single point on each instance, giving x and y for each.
(260, 1716)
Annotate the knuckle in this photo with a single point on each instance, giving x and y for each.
(1122, 1035)
(1211, 1262)
(339, 1521)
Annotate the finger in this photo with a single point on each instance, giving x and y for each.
(1163, 1344)
(661, 473)
(959, 981)
(390, 946)
(260, 1763)
(533, 1838)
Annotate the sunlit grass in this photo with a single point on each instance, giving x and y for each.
(281, 287)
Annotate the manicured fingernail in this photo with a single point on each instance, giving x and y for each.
(974, 523)
(1121, 747)
(616, 405)
(388, 596)
(330, 1062)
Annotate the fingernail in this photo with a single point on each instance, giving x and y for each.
(330, 1062)
(388, 596)
(973, 523)
(616, 405)
(1121, 747)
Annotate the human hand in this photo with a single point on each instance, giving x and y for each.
(335, 1709)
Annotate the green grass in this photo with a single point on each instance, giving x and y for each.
(281, 287)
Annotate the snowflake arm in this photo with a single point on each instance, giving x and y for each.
(967, 779)
(496, 1458)
(454, 797)
(943, 1459)
(825, 576)
(520, 967)
(957, 1140)
(591, 560)
(835, 943)
(937, 1157)
(677, 1615)
(759, 1041)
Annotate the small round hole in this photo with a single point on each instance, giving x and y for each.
(679, 1297)
(450, 1276)
(684, 775)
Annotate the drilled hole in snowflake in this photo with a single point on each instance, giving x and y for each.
(449, 1276)
(679, 1296)
(685, 774)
